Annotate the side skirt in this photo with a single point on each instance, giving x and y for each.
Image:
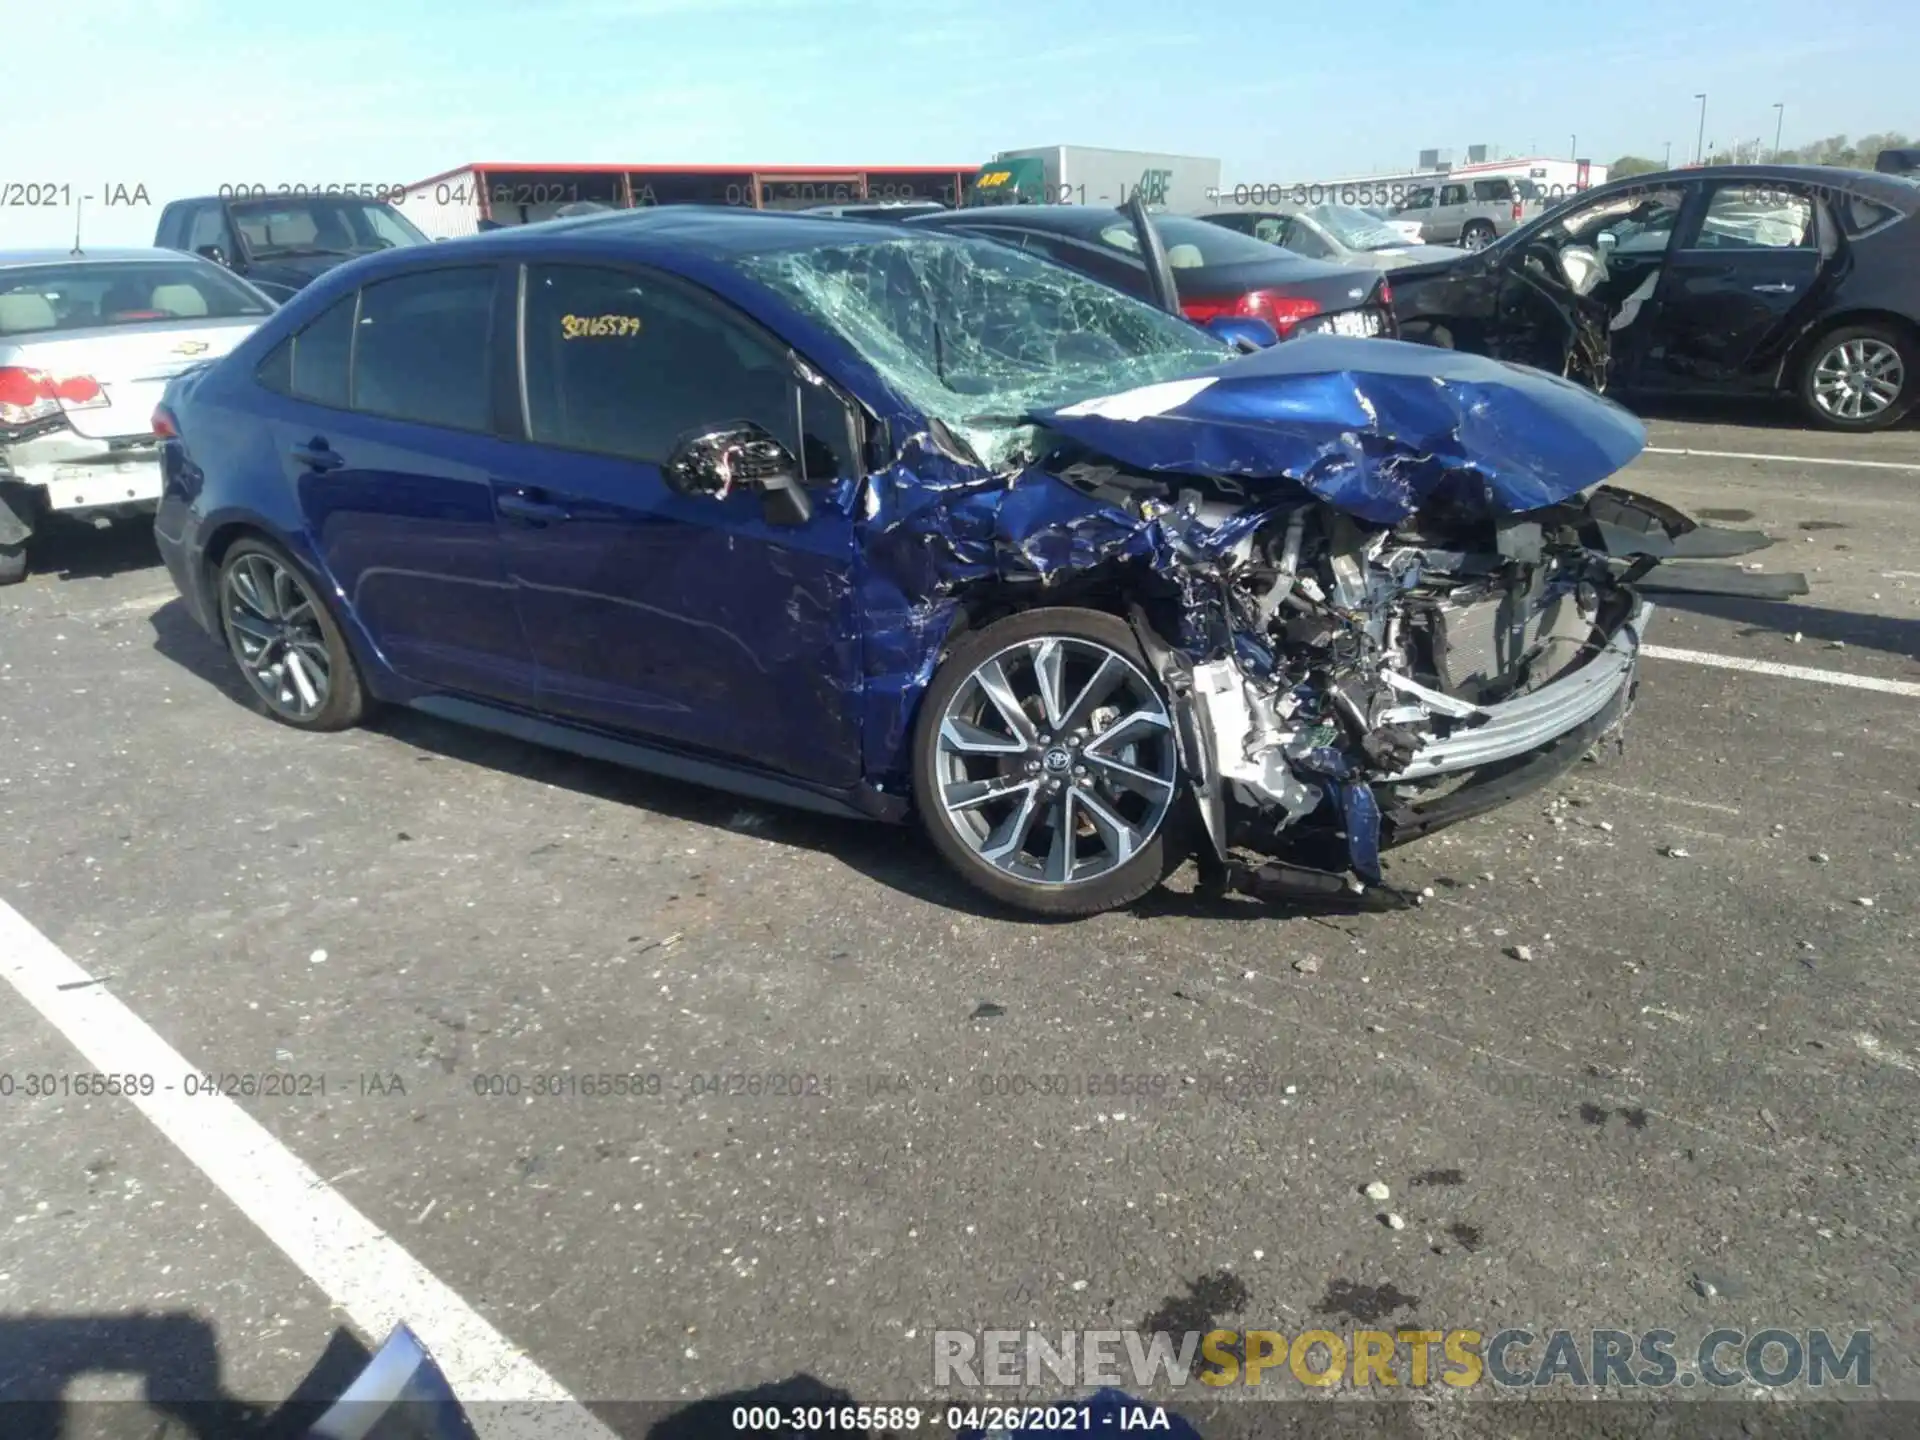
(860, 803)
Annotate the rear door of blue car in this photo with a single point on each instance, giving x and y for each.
(383, 424)
(681, 618)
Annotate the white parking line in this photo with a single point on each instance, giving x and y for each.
(1785, 672)
(364, 1270)
(1794, 459)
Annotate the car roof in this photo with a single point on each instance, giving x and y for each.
(12, 258)
(1867, 182)
(660, 232)
(1079, 220)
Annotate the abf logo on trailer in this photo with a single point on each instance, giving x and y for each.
(1153, 186)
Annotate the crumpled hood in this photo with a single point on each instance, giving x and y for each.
(1377, 428)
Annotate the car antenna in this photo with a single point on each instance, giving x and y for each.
(78, 202)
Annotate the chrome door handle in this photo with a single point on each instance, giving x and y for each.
(1781, 289)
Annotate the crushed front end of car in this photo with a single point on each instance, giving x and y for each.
(1383, 586)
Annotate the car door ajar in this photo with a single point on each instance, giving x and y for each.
(1745, 266)
(385, 435)
(685, 619)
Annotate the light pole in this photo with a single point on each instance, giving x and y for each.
(1699, 153)
(1667, 164)
(1779, 119)
(1576, 147)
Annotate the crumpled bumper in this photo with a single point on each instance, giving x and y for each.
(1517, 727)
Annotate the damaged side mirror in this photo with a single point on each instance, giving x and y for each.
(717, 460)
(1605, 241)
(1246, 333)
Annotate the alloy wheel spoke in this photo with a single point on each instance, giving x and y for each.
(1151, 719)
(253, 628)
(1143, 783)
(1060, 853)
(1049, 667)
(297, 668)
(1123, 839)
(266, 587)
(966, 738)
(972, 794)
(993, 683)
(246, 590)
(1009, 837)
(1102, 684)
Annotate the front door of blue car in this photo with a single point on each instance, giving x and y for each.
(688, 619)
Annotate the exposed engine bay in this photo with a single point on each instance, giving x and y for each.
(1342, 658)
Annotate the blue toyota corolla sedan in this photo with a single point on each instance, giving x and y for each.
(888, 524)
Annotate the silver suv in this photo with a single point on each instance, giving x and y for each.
(1470, 213)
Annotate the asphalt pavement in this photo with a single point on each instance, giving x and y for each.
(1645, 1055)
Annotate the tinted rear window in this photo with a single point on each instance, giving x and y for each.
(48, 299)
(420, 348)
(1190, 243)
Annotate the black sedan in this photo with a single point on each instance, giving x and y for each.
(1751, 279)
(1216, 272)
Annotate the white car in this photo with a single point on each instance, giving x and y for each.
(88, 341)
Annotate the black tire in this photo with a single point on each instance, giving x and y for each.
(1156, 858)
(1905, 347)
(346, 700)
(13, 564)
(1477, 235)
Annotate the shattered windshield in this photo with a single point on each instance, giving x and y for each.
(978, 334)
(1355, 228)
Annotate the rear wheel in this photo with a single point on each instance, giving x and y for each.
(1476, 235)
(285, 641)
(1860, 377)
(1045, 768)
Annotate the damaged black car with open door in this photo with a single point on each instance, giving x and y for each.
(1785, 280)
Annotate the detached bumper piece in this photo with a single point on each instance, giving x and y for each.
(1515, 727)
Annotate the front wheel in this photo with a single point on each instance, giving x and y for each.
(1044, 764)
(1860, 377)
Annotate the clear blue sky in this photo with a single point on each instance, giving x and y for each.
(182, 95)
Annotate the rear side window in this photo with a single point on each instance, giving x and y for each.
(1749, 217)
(311, 364)
(421, 348)
(1859, 215)
(110, 294)
(1492, 190)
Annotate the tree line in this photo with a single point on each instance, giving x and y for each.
(1832, 150)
